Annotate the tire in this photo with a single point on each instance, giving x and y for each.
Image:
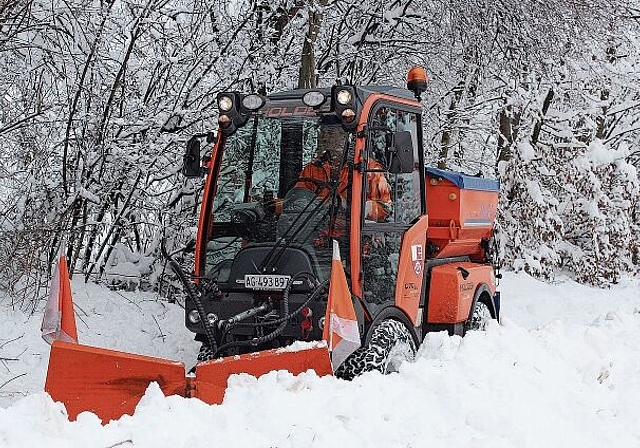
(391, 344)
(480, 317)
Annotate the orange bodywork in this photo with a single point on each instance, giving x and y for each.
(107, 382)
(411, 270)
(212, 376)
(451, 295)
(110, 383)
(459, 218)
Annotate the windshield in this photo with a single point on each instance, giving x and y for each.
(282, 182)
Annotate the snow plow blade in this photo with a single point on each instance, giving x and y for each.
(106, 382)
(212, 376)
(110, 383)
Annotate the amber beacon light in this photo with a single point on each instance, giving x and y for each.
(417, 81)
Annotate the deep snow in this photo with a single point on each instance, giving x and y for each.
(563, 369)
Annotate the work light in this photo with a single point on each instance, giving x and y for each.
(313, 98)
(253, 102)
(343, 97)
(225, 103)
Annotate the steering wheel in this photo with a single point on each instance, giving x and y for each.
(244, 218)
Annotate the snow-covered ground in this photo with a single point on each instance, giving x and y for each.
(563, 370)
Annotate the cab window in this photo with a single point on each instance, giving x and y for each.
(404, 198)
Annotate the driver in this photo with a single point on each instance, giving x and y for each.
(316, 175)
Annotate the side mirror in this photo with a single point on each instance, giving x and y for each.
(191, 159)
(400, 153)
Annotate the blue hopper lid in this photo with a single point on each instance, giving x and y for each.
(465, 181)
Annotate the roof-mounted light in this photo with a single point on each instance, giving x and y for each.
(313, 98)
(225, 103)
(417, 81)
(343, 97)
(253, 102)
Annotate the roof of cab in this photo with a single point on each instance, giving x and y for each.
(363, 91)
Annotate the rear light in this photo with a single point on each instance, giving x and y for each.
(193, 316)
(306, 326)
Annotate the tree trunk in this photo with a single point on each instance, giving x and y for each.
(445, 141)
(545, 108)
(601, 120)
(509, 122)
(307, 73)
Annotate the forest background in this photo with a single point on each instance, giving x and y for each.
(98, 98)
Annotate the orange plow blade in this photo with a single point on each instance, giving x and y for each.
(110, 383)
(212, 376)
(107, 382)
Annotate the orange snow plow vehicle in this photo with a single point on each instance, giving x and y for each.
(291, 178)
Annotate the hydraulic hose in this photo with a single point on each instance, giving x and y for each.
(281, 322)
(194, 295)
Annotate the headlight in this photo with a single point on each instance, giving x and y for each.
(193, 316)
(212, 318)
(253, 102)
(225, 103)
(343, 97)
(313, 98)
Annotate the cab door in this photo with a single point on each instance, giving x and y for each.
(391, 205)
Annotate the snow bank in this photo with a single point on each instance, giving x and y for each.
(562, 370)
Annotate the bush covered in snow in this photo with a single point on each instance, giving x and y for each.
(571, 207)
(93, 123)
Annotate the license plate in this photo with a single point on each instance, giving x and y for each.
(266, 282)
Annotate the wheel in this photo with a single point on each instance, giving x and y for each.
(480, 317)
(390, 345)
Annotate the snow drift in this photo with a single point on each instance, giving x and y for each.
(563, 369)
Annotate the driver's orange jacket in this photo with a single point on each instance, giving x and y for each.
(315, 176)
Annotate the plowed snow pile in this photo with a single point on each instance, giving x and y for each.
(563, 370)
